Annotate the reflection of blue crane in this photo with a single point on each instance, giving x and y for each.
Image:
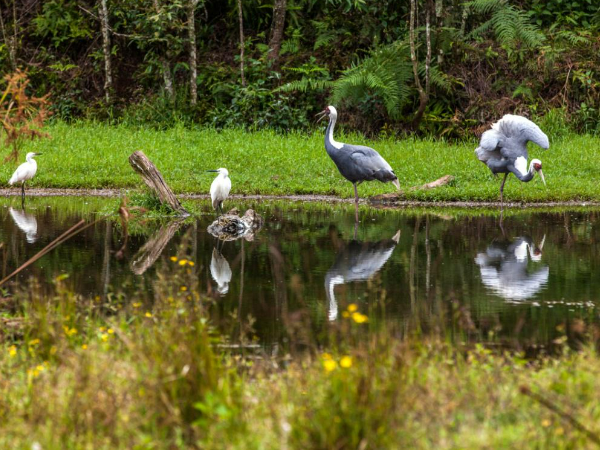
(358, 261)
(504, 148)
(503, 269)
(356, 163)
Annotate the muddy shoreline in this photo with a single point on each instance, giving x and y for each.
(49, 192)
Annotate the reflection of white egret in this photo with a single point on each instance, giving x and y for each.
(358, 261)
(26, 222)
(503, 269)
(25, 172)
(220, 271)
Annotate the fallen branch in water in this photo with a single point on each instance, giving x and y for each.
(75, 229)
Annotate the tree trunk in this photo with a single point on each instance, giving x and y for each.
(166, 69)
(152, 177)
(241, 20)
(108, 81)
(10, 44)
(277, 27)
(423, 95)
(193, 57)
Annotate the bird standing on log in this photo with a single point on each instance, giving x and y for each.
(219, 189)
(356, 163)
(24, 172)
(504, 148)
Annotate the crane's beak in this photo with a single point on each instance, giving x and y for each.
(321, 115)
(38, 154)
(212, 170)
(542, 176)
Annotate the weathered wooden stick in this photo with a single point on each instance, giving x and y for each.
(434, 184)
(154, 180)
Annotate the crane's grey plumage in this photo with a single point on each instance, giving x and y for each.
(504, 269)
(356, 163)
(26, 222)
(358, 261)
(219, 189)
(220, 271)
(25, 172)
(504, 148)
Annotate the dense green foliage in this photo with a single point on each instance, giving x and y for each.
(94, 155)
(488, 58)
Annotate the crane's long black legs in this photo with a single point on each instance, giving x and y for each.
(355, 203)
(22, 195)
(502, 190)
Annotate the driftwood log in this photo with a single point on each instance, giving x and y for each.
(151, 250)
(154, 180)
(231, 226)
(395, 196)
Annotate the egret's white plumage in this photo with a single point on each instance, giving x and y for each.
(219, 189)
(25, 171)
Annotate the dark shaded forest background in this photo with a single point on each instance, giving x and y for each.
(435, 67)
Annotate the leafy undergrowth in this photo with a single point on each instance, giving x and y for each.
(92, 155)
(120, 372)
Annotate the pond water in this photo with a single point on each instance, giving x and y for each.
(523, 284)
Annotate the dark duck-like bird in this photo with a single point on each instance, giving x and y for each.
(504, 148)
(356, 163)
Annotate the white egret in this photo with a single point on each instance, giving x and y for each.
(24, 172)
(220, 271)
(219, 189)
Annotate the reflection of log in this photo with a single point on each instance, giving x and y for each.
(152, 177)
(434, 184)
(151, 250)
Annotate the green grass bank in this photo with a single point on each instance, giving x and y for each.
(94, 155)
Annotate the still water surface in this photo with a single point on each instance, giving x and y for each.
(522, 284)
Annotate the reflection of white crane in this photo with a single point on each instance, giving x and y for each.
(220, 271)
(358, 261)
(26, 222)
(503, 269)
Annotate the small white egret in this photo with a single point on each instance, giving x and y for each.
(220, 271)
(24, 172)
(219, 189)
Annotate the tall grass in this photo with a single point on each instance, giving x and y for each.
(93, 155)
(81, 373)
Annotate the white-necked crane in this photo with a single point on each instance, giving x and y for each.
(356, 163)
(504, 148)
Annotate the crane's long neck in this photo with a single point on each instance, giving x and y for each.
(329, 140)
(520, 173)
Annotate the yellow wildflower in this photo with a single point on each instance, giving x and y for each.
(359, 318)
(12, 351)
(137, 304)
(191, 263)
(84, 346)
(104, 337)
(326, 356)
(103, 329)
(148, 314)
(183, 288)
(182, 262)
(34, 342)
(173, 258)
(346, 362)
(546, 423)
(352, 307)
(110, 331)
(329, 365)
